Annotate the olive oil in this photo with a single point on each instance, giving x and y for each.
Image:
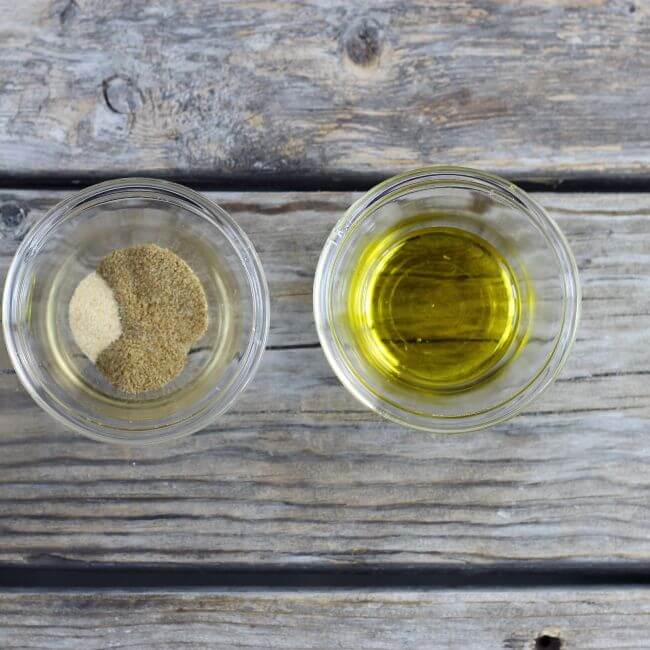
(436, 308)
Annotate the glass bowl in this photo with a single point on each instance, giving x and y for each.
(542, 267)
(68, 243)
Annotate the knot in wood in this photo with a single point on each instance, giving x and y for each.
(68, 12)
(12, 220)
(121, 95)
(362, 41)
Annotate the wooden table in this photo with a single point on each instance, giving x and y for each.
(300, 519)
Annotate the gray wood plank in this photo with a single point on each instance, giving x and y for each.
(299, 473)
(377, 620)
(322, 89)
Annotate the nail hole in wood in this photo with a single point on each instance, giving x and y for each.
(12, 220)
(547, 642)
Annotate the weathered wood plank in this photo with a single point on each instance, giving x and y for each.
(471, 620)
(322, 90)
(298, 473)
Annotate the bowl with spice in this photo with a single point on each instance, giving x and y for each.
(136, 311)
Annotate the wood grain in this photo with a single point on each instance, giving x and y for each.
(299, 473)
(376, 620)
(322, 91)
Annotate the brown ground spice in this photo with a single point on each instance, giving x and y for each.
(163, 311)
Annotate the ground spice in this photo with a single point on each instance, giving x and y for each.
(163, 311)
(94, 316)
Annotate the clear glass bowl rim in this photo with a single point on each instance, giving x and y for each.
(457, 177)
(216, 404)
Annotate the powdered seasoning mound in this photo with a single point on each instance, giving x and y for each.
(163, 311)
(136, 364)
(94, 317)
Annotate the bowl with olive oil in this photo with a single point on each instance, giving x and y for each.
(446, 299)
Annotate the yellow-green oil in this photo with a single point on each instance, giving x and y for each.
(436, 308)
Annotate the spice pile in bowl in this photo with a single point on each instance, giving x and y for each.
(137, 316)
